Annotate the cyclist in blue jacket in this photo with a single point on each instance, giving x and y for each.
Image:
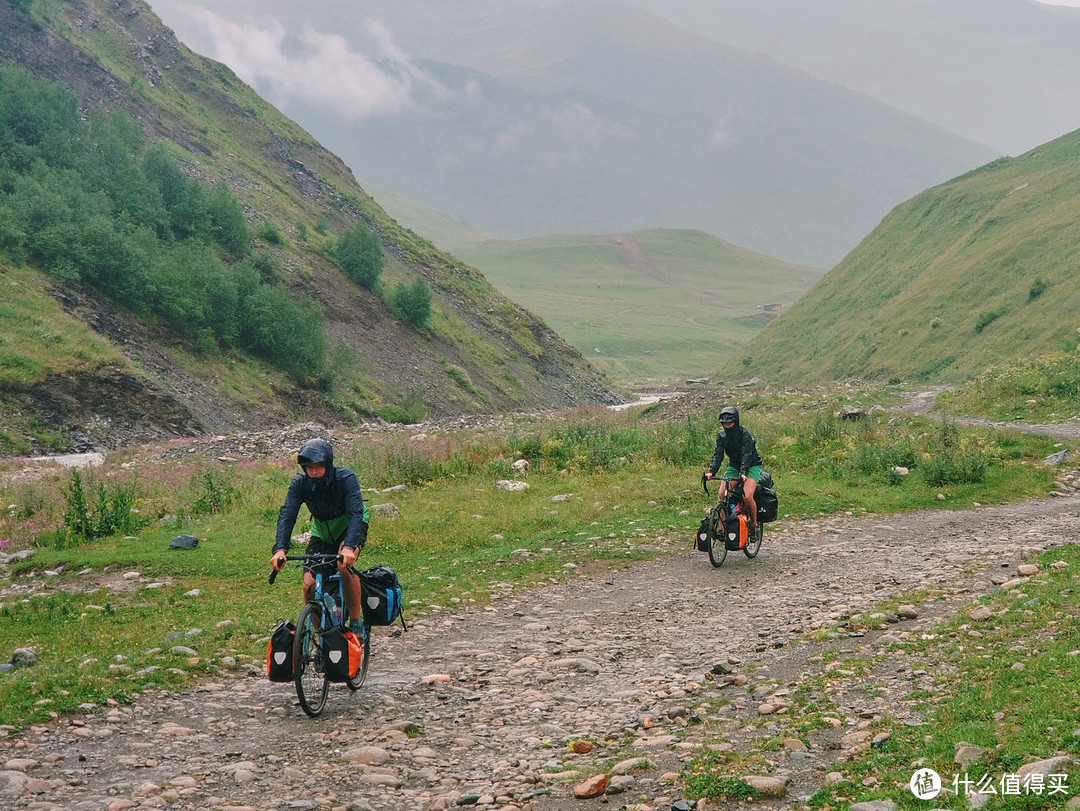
(339, 520)
(744, 461)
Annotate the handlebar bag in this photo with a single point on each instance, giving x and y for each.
(381, 596)
(279, 653)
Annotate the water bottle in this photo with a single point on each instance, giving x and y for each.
(335, 609)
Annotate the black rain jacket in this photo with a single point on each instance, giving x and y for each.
(740, 447)
(334, 495)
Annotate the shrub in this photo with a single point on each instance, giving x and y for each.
(289, 334)
(360, 255)
(216, 496)
(269, 232)
(227, 222)
(1038, 287)
(413, 303)
(954, 468)
(988, 317)
(111, 514)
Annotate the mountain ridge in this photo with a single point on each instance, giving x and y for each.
(730, 143)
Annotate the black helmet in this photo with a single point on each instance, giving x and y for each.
(729, 414)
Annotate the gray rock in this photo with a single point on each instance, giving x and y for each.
(388, 510)
(23, 657)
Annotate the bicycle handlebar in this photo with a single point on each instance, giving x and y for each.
(314, 557)
(732, 483)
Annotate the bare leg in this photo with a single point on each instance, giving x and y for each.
(749, 488)
(351, 585)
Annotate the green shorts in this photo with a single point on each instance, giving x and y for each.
(753, 473)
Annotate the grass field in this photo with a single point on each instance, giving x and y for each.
(651, 308)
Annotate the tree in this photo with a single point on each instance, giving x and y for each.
(227, 222)
(360, 255)
(413, 302)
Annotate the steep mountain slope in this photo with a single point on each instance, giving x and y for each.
(482, 352)
(532, 118)
(977, 271)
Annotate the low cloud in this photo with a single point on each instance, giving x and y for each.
(578, 124)
(322, 70)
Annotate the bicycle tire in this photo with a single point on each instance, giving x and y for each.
(717, 547)
(308, 673)
(358, 682)
(753, 543)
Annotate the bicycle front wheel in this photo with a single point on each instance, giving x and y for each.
(357, 683)
(753, 543)
(308, 671)
(717, 547)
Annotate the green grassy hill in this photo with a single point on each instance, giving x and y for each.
(649, 308)
(978, 271)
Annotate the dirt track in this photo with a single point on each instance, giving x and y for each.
(623, 659)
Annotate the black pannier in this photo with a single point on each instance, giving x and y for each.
(703, 539)
(382, 596)
(768, 504)
(279, 653)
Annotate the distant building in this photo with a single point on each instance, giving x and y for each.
(771, 308)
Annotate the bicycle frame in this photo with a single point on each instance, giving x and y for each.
(322, 597)
(335, 612)
(320, 615)
(733, 503)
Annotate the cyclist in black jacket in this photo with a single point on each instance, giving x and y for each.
(339, 520)
(744, 461)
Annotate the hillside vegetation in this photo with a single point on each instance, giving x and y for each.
(975, 272)
(160, 189)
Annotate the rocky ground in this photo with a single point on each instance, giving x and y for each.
(639, 667)
(482, 707)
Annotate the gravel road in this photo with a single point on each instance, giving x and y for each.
(480, 707)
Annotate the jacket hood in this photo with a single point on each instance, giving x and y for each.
(315, 451)
(733, 410)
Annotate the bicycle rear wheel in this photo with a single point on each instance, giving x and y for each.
(753, 543)
(717, 547)
(357, 683)
(309, 675)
